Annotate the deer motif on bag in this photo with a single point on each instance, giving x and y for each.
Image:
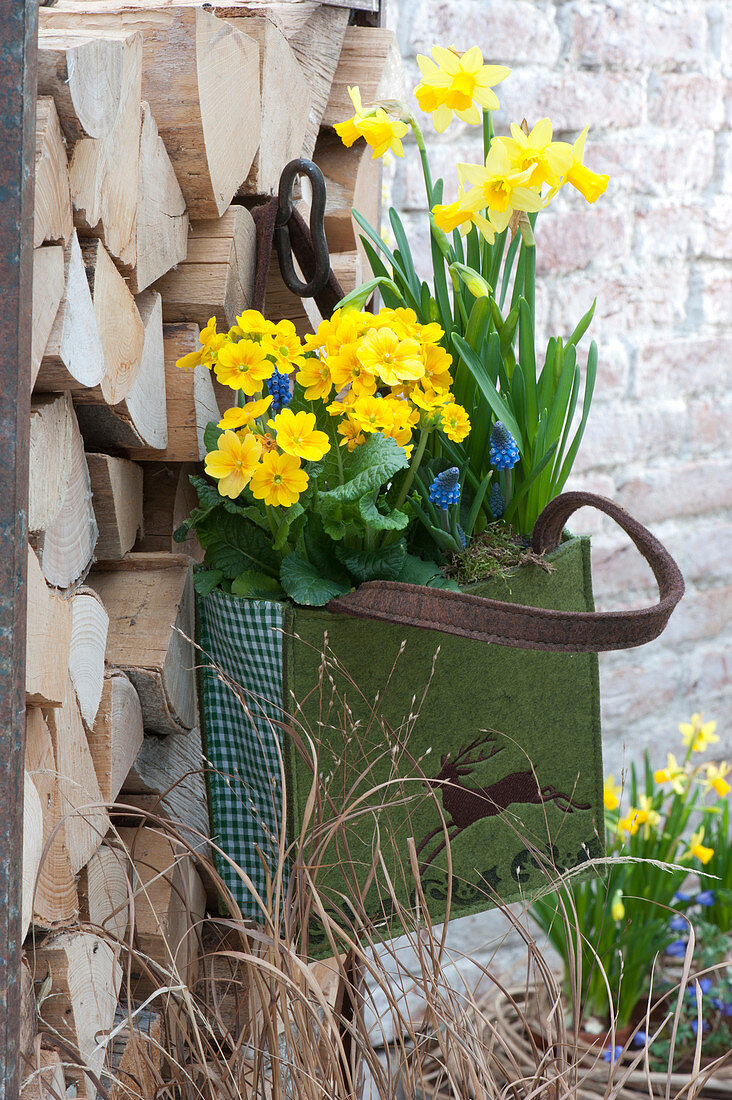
(463, 806)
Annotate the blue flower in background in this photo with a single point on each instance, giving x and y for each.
(504, 453)
(445, 489)
(677, 949)
(681, 898)
(678, 924)
(497, 501)
(279, 386)
(695, 1026)
(706, 897)
(640, 1039)
(725, 1007)
(612, 1055)
(705, 984)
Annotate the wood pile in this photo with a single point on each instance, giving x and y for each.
(160, 125)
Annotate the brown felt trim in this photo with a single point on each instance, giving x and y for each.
(509, 624)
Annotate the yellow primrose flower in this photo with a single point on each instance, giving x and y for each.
(278, 480)
(402, 321)
(715, 779)
(632, 823)
(211, 341)
(617, 909)
(344, 401)
(457, 82)
(233, 462)
(372, 414)
(382, 353)
(697, 733)
(238, 417)
(437, 363)
(429, 399)
(672, 774)
(589, 184)
(347, 369)
(286, 346)
(699, 850)
(243, 366)
(455, 422)
(251, 323)
(548, 160)
(314, 375)
(297, 435)
(189, 361)
(352, 435)
(611, 794)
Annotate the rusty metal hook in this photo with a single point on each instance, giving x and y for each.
(283, 243)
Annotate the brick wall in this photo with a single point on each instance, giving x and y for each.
(654, 81)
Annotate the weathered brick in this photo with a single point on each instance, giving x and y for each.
(573, 240)
(717, 284)
(508, 31)
(572, 100)
(631, 436)
(637, 688)
(700, 615)
(673, 97)
(655, 162)
(683, 366)
(684, 489)
(631, 299)
(711, 674)
(709, 425)
(613, 33)
(670, 230)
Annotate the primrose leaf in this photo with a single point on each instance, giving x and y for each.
(205, 580)
(305, 585)
(378, 521)
(372, 465)
(211, 436)
(373, 565)
(255, 585)
(233, 544)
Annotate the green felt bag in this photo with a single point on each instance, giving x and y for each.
(536, 783)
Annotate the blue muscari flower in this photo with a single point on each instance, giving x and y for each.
(723, 1007)
(678, 924)
(461, 537)
(445, 489)
(705, 984)
(681, 898)
(496, 500)
(677, 949)
(504, 453)
(706, 897)
(279, 386)
(640, 1039)
(695, 1026)
(612, 1055)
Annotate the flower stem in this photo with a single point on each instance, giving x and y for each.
(413, 467)
(419, 138)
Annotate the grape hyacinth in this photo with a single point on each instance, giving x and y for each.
(504, 453)
(497, 501)
(279, 387)
(445, 489)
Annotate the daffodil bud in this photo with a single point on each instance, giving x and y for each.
(617, 909)
(475, 283)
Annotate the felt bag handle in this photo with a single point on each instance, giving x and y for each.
(510, 624)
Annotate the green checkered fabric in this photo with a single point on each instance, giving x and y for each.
(243, 638)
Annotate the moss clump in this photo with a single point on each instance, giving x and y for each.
(492, 554)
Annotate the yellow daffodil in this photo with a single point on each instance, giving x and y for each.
(652, 817)
(347, 369)
(611, 794)
(589, 184)
(297, 435)
(278, 480)
(672, 773)
(699, 850)
(715, 779)
(457, 82)
(382, 353)
(632, 823)
(617, 909)
(453, 215)
(243, 366)
(315, 376)
(233, 462)
(286, 347)
(352, 435)
(499, 187)
(239, 417)
(549, 161)
(455, 422)
(698, 734)
(381, 132)
(349, 131)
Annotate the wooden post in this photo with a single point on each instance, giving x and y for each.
(18, 54)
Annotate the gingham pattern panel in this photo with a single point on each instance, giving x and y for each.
(244, 639)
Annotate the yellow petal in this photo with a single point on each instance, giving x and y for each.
(446, 59)
(472, 60)
(541, 133)
(441, 118)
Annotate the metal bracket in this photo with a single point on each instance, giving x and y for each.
(282, 241)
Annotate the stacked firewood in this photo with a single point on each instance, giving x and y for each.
(158, 128)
